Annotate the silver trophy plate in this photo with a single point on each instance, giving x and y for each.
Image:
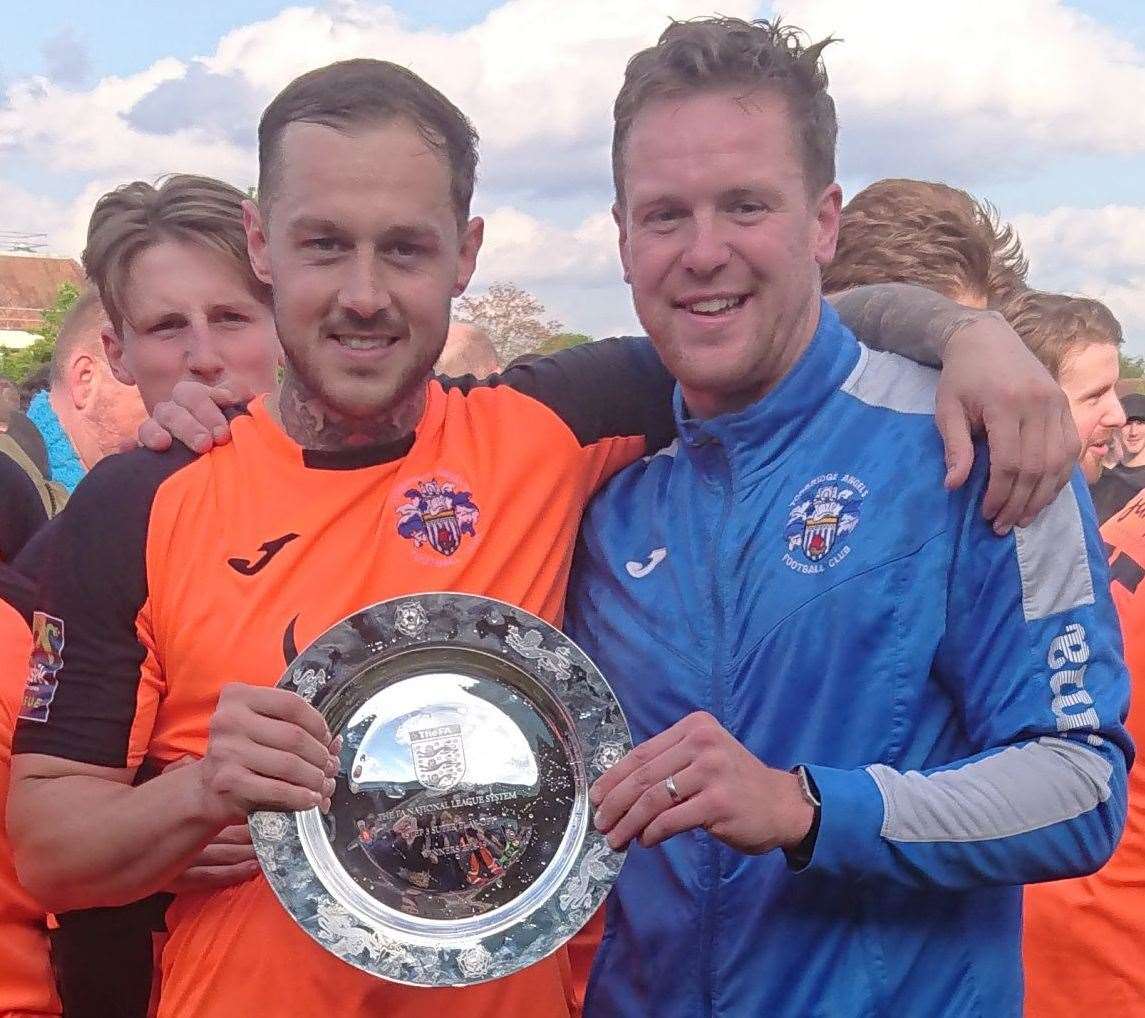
(459, 845)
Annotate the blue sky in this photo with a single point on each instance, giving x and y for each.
(121, 38)
(1023, 102)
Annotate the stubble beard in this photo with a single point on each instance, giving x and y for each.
(314, 423)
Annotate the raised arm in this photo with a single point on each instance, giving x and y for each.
(990, 383)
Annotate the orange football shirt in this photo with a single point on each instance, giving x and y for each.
(27, 989)
(171, 575)
(1084, 939)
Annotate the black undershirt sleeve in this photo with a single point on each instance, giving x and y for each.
(91, 583)
(607, 389)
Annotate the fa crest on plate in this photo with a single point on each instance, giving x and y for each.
(438, 756)
(825, 511)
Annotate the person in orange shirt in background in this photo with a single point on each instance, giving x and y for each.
(27, 989)
(1089, 933)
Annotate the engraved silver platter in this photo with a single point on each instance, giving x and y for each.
(459, 845)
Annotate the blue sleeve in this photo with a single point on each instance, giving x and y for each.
(1032, 656)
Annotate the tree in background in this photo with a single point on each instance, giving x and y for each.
(563, 340)
(18, 364)
(513, 318)
(1131, 367)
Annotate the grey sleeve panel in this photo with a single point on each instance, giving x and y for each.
(1020, 789)
(1052, 560)
(892, 382)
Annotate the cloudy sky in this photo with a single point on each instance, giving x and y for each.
(1037, 105)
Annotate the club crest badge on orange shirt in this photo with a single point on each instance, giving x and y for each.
(46, 661)
(438, 515)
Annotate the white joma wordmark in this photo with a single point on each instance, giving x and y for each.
(1068, 684)
(638, 570)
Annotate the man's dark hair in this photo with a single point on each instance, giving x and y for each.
(34, 383)
(367, 93)
(713, 54)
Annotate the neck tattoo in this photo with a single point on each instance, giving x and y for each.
(313, 426)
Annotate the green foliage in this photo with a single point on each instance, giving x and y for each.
(563, 340)
(1132, 367)
(18, 364)
(51, 318)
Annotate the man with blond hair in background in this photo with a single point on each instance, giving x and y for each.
(1077, 339)
(179, 303)
(917, 231)
(182, 302)
(1085, 938)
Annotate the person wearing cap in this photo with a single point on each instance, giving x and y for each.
(1119, 485)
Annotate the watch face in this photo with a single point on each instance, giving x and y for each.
(458, 846)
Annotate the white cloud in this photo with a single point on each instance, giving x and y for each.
(973, 92)
(1095, 253)
(87, 133)
(574, 272)
(978, 90)
(536, 76)
(527, 250)
(24, 212)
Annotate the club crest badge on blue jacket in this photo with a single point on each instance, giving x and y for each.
(824, 512)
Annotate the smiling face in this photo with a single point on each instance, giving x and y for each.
(1088, 376)
(722, 242)
(361, 243)
(1133, 440)
(189, 314)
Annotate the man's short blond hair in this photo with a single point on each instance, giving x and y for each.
(183, 207)
(1053, 325)
(940, 237)
(80, 332)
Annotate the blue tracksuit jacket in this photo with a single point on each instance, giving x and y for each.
(798, 570)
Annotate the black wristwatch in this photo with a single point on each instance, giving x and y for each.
(800, 856)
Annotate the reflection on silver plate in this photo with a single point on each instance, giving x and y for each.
(459, 845)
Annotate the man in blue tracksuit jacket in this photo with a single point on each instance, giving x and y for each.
(790, 586)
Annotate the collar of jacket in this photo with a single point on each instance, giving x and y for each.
(62, 457)
(755, 437)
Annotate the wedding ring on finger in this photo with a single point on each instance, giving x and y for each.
(673, 791)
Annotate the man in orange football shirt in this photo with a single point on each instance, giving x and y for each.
(1089, 932)
(178, 586)
(27, 989)
(1085, 938)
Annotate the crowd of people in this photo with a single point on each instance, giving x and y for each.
(827, 531)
